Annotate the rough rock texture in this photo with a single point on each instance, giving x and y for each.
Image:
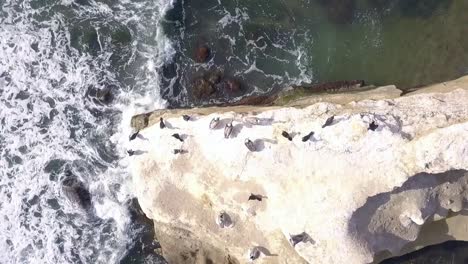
(362, 195)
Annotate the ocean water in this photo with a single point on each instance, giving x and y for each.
(73, 72)
(268, 45)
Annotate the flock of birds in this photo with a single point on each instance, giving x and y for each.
(223, 219)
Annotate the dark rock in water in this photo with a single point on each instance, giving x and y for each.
(214, 77)
(339, 11)
(337, 86)
(202, 54)
(186, 117)
(77, 193)
(232, 86)
(202, 88)
(105, 95)
(256, 100)
(101, 95)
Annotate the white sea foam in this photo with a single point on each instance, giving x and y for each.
(46, 118)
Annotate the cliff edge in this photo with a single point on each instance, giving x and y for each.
(384, 176)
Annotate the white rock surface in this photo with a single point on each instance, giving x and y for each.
(355, 191)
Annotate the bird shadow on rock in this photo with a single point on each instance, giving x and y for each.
(266, 252)
(307, 238)
(236, 130)
(169, 125)
(260, 143)
(222, 123)
(184, 136)
(140, 152)
(394, 128)
(140, 136)
(259, 122)
(362, 220)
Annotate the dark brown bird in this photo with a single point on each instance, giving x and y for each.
(161, 123)
(307, 137)
(373, 126)
(130, 152)
(177, 136)
(180, 151)
(186, 117)
(328, 122)
(255, 197)
(134, 135)
(296, 239)
(286, 135)
(249, 144)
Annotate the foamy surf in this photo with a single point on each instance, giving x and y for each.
(64, 187)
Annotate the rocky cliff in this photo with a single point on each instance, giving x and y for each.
(384, 176)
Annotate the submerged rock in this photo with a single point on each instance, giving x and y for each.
(102, 95)
(202, 54)
(232, 86)
(202, 88)
(77, 193)
(205, 86)
(366, 191)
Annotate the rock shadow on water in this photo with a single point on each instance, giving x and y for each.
(361, 219)
(144, 245)
(448, 252)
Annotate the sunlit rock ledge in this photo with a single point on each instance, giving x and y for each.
(361, 192)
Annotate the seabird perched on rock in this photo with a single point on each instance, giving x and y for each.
(287, 135)
(186, 117)
(254, 253)
(228, 130)
(372, 126)
(249, 144)
(214, 123)
(295, 239)
(307, 137)
(328, 122)
(255, 197)
(134, 135)
(252, 120)
(161, 123)
(177, 136)
(224, 220)
(130, 152)
(180, 151)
